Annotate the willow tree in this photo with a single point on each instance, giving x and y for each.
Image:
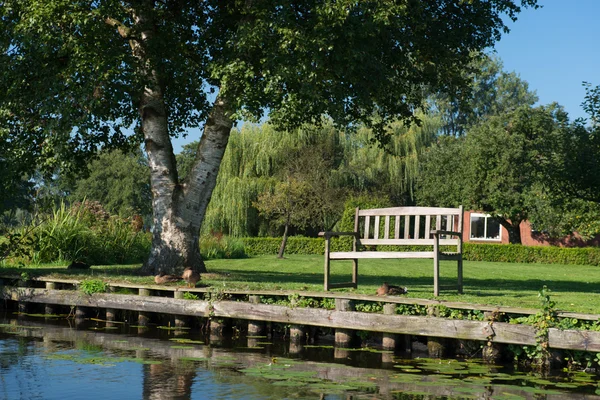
(76, 73)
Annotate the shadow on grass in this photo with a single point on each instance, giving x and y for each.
(479, 287)
(482, 287)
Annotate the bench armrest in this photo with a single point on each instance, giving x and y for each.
(327, 235)
(436, 232)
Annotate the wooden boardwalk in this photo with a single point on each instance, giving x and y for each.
(236, 305)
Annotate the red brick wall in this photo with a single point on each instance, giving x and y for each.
(528, 238)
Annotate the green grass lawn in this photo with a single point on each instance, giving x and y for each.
(573, 287)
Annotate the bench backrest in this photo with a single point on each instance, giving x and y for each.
(408, 225)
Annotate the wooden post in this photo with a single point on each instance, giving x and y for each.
(389, 340)
(217, 327)
(341, 353)
(297, 333)
(180, 320)
(492, 352)
(296, 347)
(111, 314)
(255, 328)
(343, 337)
(23, 306)
(83, 312)
(144, 317)
(437, 347)
(50, 309)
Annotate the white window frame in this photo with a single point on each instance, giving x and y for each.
(485, 227)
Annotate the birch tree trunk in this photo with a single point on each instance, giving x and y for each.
(178, 208)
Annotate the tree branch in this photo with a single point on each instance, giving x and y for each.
(123, 30)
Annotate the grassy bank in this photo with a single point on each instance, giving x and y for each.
(574, 288)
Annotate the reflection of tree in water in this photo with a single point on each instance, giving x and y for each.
(169, 380)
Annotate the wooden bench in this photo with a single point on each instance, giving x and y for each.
(400, 226)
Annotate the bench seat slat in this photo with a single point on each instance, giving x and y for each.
(349, 255)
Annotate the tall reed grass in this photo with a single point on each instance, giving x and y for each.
(84, 232)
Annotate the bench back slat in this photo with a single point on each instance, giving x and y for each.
(409, 211)
(398, 223)
(413, 242)
(386, 229)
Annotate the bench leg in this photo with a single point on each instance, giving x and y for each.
(436, 266)
(436, 275)
(355, 272)
(326, 274)
(460, 276)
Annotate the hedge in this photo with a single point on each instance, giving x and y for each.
(471, 251)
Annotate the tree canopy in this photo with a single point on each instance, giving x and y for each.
(491, 91)
(119, 181)
(495, 167)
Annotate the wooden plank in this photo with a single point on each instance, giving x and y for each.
(449, 222)
(403, 324)
(367, 222)
(417, 227)
(397, 227)
(104, 300)
(386, 227)
(410, 211)
(426, 234)
(410, 242)
(407, 227)
(349, 255)
(353, 296)
(438, 221)
(376, 228)
(574, 340)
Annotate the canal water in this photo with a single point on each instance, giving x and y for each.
(43, 358)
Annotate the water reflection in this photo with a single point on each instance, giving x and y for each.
(54, 361)
(168, 381)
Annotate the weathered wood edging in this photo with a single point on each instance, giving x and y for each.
(495, 332)
(327, 295)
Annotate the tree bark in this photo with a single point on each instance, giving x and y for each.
(284, 240)
(178, 208)
(514, 230)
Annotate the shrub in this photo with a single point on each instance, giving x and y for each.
(531, 254)
(84, 232)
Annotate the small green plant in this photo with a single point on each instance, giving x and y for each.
(191, 296)
(91, 286)
(369, 307)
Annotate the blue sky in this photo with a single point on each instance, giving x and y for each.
(555, 48)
